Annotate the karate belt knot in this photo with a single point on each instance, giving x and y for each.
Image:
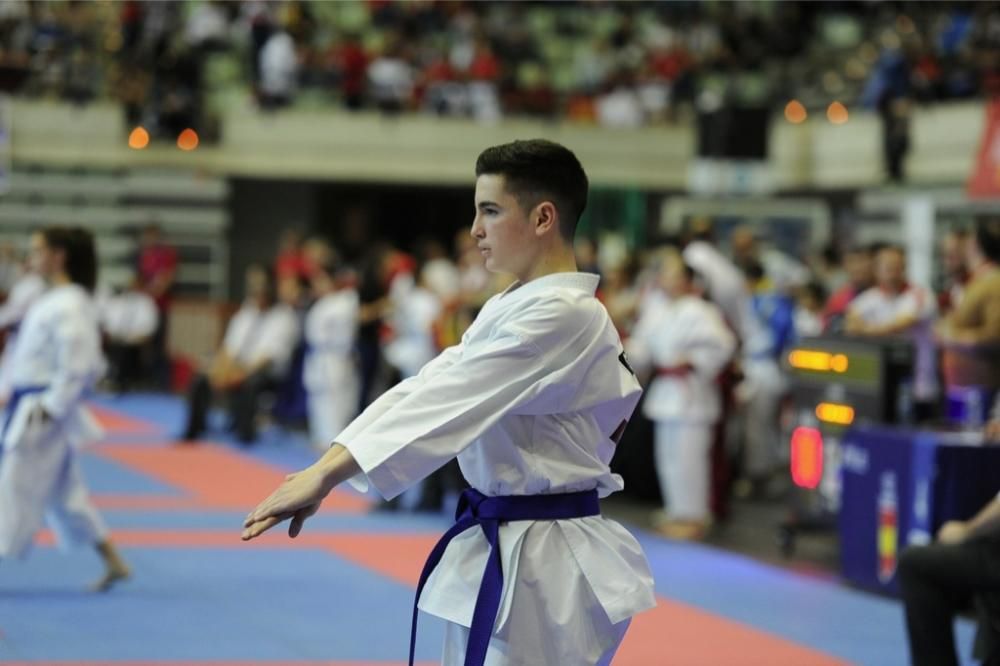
(475, 508)
(16, 395)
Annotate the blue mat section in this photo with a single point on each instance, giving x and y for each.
(114, 478)
(208, 604)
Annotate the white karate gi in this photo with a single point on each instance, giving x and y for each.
(26, 290)
(684, 407)
(253, 336)
(413, 321)
(129, 317)
(529, 402)
(726, 285)
(330, 372)
(58, 348)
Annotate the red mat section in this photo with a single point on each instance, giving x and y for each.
(117, 423)
(674, 633)
(215, 476)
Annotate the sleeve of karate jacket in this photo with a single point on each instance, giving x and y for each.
(527, 369)
(390, 398)
(712, 344)
(77, 362)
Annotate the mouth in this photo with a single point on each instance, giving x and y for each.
(484, 250)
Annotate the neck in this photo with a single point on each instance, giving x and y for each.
(59, 279)
(560, 260)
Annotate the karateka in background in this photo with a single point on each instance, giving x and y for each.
(255, 354)
(685, 341)
(129, 318)
(56, 361)
(27, 288)
(330, 369)
(532, 402)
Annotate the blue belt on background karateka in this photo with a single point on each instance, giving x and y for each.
(15, 397)
(475, 508)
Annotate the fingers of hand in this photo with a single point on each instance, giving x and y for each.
(260, 526)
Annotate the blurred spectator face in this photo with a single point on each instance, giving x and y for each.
(290, 291)
(744, 244)
(673, 277)
(586, 252)
(256, 284)
(890, 269)
(504, 236)
(954, 254)
(858, 265)
(150, 236)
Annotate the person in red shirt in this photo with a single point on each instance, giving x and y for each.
(156, 267)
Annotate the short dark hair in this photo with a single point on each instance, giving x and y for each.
(80, 257)
(988, 237)
(537, 170)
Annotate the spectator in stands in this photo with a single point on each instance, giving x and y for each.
(279, 70)
(970, 335)
(955, 269)
(290, 261)
(254, 355)
(157, 271)
(940, 580)
(894, 307)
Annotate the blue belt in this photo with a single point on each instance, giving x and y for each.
(474, 508)
(15, 397)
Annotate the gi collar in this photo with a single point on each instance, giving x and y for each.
(585, 282)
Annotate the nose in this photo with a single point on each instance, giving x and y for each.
(477, 231)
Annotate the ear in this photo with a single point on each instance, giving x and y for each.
(546, 218)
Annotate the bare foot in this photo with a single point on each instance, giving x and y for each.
(684, 530)
(110, 578)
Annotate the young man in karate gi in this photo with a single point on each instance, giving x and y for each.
(56, 361)
(532, 402)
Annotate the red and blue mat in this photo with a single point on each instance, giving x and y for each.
(341, 594)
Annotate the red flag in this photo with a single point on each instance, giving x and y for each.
(985, 180)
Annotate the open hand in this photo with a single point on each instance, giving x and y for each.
(297, 498)
(953, 532)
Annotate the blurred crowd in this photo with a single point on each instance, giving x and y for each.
(616, 64)
(707, 321)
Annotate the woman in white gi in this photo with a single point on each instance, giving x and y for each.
(686, 341)
(532, 401)
(330, 370)
(56, 360)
